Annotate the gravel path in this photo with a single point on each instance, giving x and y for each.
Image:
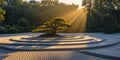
(51, 55)
(55, 55)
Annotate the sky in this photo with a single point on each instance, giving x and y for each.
(78, 2)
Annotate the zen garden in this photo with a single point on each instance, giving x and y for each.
(59, 29)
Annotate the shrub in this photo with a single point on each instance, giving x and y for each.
(21, 29)
(110, 30)
(117, 28)
(13, 30)
(23, 22)
(30, 28)
(7, 26)
(3, 30)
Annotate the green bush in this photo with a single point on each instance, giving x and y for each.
(7, 26)
(21, 29)
(30, 28)
(108, 31)
(23, 22)
(3, 30)
(13, 30)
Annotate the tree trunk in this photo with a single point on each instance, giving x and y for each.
(54, 32)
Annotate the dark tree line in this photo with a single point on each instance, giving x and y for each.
(24, 16)
(35, 12)
(104, 16)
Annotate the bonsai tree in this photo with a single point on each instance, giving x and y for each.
(53, 26)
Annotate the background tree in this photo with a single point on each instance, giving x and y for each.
(103, 14)
(14, 11)
(2, 12)
(23, 22)
(35, 12)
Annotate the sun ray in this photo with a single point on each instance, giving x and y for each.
(75, 23)
(77, 19)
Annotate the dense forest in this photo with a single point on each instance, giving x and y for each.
(24, 16)
(103, 16)
(21, 14)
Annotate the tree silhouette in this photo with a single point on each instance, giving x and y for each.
(53, 26)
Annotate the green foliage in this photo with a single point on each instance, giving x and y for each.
(34, 13)
(21, 29)
(53, 26)
(25, 29)
(23, 22)
(37, 13)
(3, 30)
(30, 28)
(109, 25)
(56, 22)
(13, 30)
(14, 11)
(104, 16)
(8, 29)
(2, 12)
(2, 1)
(7, 26)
